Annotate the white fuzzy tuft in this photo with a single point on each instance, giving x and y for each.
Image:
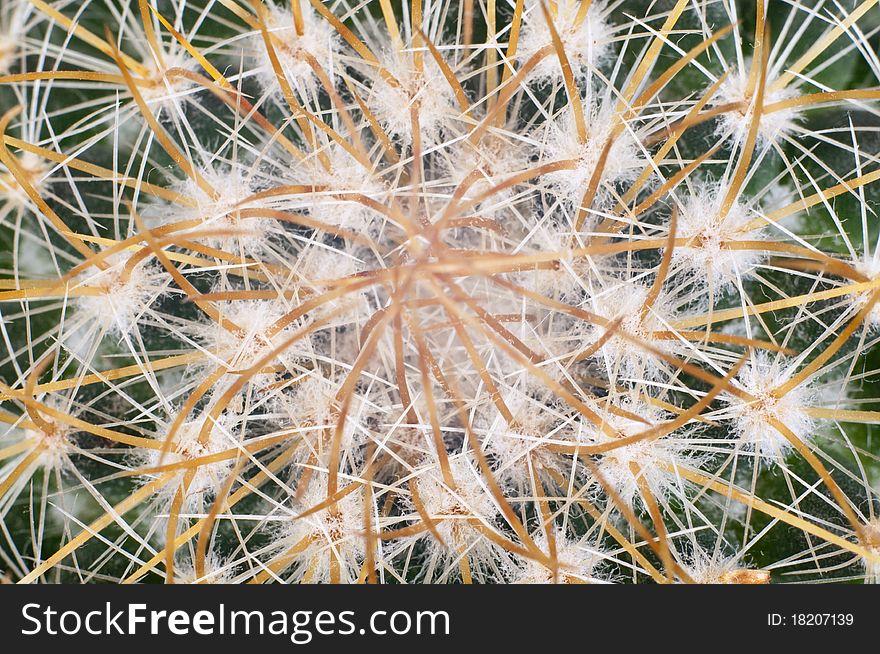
(311, 411)
(651, 462)
(772, 125)
(753, 419)
(576, 560)
(240, 337)
(521, 449)
(53, 441)
(335, 200)
(34, 168)
(319, 41)
(564, 144)
(162, 88)
(126, 292)
(216, 571)
(585, 41)
(869, 266)
(625, 300)
(188, 446)
(427, 91)
(872, 544)
(219, 212)
(487, 164)
(315, 541)
(708, 230)
(8, 51)
(457, 511)
(713, 568)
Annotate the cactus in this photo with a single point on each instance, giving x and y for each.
(439, 291)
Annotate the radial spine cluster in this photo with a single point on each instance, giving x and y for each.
(439, 291)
